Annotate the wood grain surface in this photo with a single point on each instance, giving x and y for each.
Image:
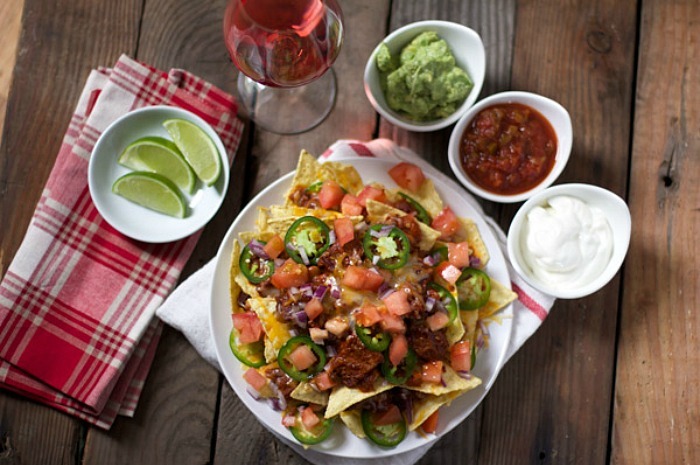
(611, 378)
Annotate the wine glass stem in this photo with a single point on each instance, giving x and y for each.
(288, 110)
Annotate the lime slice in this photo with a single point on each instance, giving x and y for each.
(161, 156)
(197, 147)
(152, 191)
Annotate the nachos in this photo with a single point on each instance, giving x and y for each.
(361, 304)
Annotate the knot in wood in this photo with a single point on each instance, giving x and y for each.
(599, 41)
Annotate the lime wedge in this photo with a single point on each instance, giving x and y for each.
(197, 147)
(152, 191)
(161, 156)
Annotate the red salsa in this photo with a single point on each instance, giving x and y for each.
(508, 148)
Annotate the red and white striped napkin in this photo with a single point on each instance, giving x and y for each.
(184, 310)
(77, 302)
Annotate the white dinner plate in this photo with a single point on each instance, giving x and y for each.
(133, 220)
(342, 443)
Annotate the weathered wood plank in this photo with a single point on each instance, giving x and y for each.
(657, 399)
(10, 21)
(47, 81)
(273, 156)
(552, 401)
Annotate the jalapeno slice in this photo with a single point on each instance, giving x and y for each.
(252, 354)
(314, 435)
(421, 213)
(256, 269)
(288, 367)
(473, 289)
(439, 253)
(383, 435)
(447, 299)
(315, 188)
(306, 240)
(401, 373)
(372, 338)
(388, 247)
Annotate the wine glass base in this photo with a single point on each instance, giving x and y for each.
(288, 110)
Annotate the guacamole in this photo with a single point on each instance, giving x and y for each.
(423, 83)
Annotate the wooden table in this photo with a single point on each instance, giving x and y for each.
(611, 378)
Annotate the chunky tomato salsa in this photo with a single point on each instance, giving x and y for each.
(508, 148)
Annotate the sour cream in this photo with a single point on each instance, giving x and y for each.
(566, 243)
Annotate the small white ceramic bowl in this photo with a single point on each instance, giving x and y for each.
(617, 214)
(555, 113)
(468, 50)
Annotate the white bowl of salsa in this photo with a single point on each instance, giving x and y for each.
(511, 145)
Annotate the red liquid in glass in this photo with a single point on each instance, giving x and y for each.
(283, 43)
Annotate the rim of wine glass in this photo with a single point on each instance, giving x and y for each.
(338, 10)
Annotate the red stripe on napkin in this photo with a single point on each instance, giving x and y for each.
(538, 310)
(77, 303)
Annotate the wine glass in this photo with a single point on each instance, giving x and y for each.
(283, 49)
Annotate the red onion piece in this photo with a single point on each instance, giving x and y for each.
(429, 304)
(258, 250)
(331, 237)
(464, 374)
(320, 292)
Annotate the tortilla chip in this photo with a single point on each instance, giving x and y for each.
(277, 332)
(377, 212)
(499, 298)
(309, 171)
(427, 196)
(469, 320)
(353, 420)
(234, 271)
(452, 382)
(455, 331)
(426, 407)
(343, 397)
(305, 392)
(470, 233)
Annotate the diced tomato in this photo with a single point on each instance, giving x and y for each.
(393, 324)
(350, 206)
(344, 230)
(460, 356)
(330, 194)
(302, 357)
(398, 349)
(397, 303)
(313, 308)
(323, 381)
(437, 320)
(388, 417)
(274, 246)
(248, 325)
(371, 192)
(431, 372)
(458, 254)
(446, 222)
(290, 274)
(361, 279)
(318, 335)
(309, 418)
(368, 315)
(337, 326)
(289, 420)
(255, 379)
(408, 176)
(448, 272)
(430, 423)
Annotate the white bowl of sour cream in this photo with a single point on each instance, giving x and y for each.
(570, 240)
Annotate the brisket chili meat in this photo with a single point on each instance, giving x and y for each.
(355, 365)
(429, 345)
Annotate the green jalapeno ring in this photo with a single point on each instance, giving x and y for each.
(473, 289)
(385, 435)
(376, 341)
(295, 231)
(252, 354)
(421, 213)
(441, 252)
(315, 188)
(451, 305)
(288, 368)
(251, 272)
(315, 435)
(407, 366)
(389, 263)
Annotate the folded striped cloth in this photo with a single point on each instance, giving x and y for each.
(184, 310)
(77, 302)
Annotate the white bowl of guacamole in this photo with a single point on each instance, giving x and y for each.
(425, 75)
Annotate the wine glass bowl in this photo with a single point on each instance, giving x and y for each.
(283, 50)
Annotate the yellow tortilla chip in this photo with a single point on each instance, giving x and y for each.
(305, 392)
(353, 421)
(234, 272)
(277, 332)
(426, 407)
(470, 233)
(469, 320)
(343, 397)
(309, 171)
(427, 196)
(455, 331)
(499, 298)
(377, 212)
(452, 382)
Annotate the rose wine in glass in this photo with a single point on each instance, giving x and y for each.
(283, 50)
